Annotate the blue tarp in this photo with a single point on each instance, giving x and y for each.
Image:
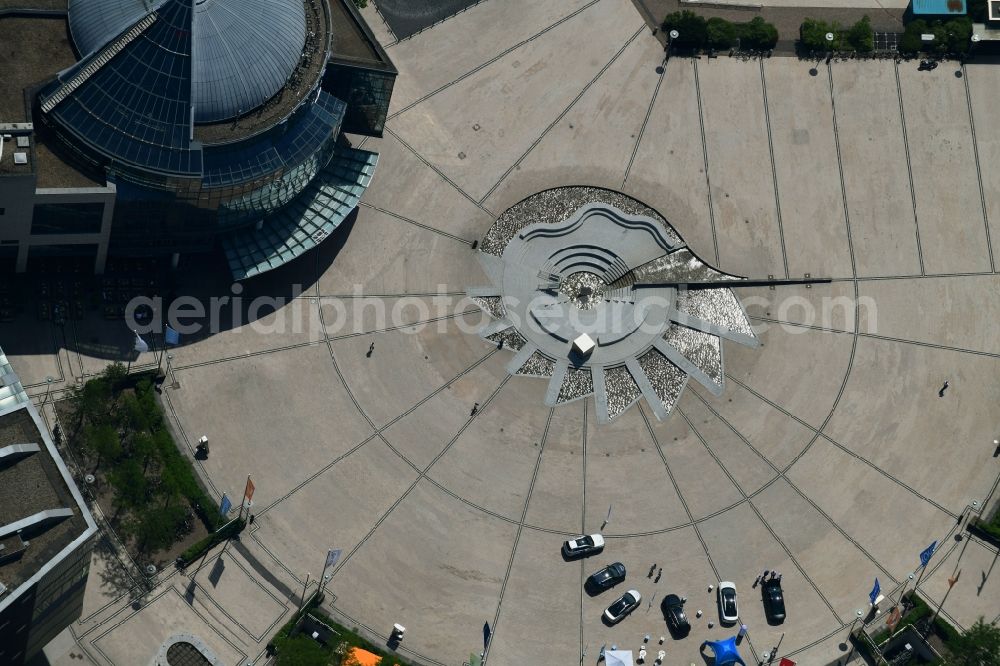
(726, 652)
(939, 7)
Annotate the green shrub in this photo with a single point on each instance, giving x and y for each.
(198, 549)
(693, 29)
(301, 651)
(950, 36)
(860, 36)
(721, 34)
(757, 34)
(813, 32)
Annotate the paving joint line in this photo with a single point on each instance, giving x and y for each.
(774, 169)
(799, 491)
(492, 60)
(979, 171)
(645, 121)
(765, 523)
(438, 171)
(704, 151)
(520, 527)
(909, 167)
(840, 446)
(422, 475)
(419, 225)
(874, 336)
(562, 115)
(677, 489)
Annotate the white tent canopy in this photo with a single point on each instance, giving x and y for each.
(618, 658)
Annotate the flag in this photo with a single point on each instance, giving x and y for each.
(248, 492)
(332, 556)
(785, 661)
(953, 579)
(873, 595)
(140, 344)
(226, 505)
(894, 617)
(486, 635)
(171, 337)
(925, 556)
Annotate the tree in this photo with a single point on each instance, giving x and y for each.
(979, 646)
(131, 487)
(813, 35)
(301, 651)
(103, 441)
(156, 528)
(758, 34)
(860, 36)
(114, 374)
(92, 401)
(693, 29)
(721, 34)
(957, 34)
(911, 41)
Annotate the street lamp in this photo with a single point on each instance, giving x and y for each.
(672, 36)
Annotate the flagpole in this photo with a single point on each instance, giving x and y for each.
(244, 500)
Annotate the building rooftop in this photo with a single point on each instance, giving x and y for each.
(352, 39)
(939, 7)
(236, 53)
(32, 51)
(42, 515)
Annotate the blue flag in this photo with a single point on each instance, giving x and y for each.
(925, 556)
(486, 635)
(226, 505)
(171, 337)
(873, 595)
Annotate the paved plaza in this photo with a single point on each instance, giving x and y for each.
(450, 485)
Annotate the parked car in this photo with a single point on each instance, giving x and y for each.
(583, 546)
(606, 578)
(774, 601)
(622, 606)
(729, 612)
(673, 612)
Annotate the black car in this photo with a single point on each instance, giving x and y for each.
(673, 613)
(606, 578)
(774, 601)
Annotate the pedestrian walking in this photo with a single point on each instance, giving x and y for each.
(371, 350)
(943, 389)
(756, 581)
(475, 408)
(658, 574)
(651, 570)
(764, 575)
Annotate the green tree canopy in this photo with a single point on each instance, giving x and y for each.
(860, 36)
(103, 441)
(721, 34)
(693, 29)
(302, 651)
(131, 487)
(757, 34)
(979, 646)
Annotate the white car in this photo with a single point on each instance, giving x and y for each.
(729, 612)
(583, 546)
(622, 606)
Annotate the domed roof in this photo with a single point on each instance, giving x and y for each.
(242, 51)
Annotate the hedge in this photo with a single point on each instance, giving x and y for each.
(696, 33)
(195, 551)
(950, 36)
(859, 37)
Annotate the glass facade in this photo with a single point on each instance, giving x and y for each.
(76, 218)
(367, 93)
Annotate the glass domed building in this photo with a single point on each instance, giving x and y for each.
(218, 122)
